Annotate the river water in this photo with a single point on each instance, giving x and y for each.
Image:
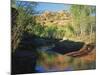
(42, 68)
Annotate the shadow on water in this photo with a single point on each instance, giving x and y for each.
(67, 46)
(26, 55)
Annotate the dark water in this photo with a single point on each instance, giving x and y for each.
(40, 68)
(71, 64)
(54, 69)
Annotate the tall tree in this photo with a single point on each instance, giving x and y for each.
(81, 15)
(24, 18)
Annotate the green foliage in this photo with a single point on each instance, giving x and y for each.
(79, 22)
(82, 18)
(13, 3)
(24, 20)
(52, 31)
(83, 22)
(76, 23)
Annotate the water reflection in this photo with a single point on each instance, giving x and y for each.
(53, 69)
(51, 61)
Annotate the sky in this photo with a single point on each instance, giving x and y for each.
(45, 6)
(42, 6)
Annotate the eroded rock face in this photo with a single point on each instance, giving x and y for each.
(85, 50)
(61, 18)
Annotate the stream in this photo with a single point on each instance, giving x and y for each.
(42, 68)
